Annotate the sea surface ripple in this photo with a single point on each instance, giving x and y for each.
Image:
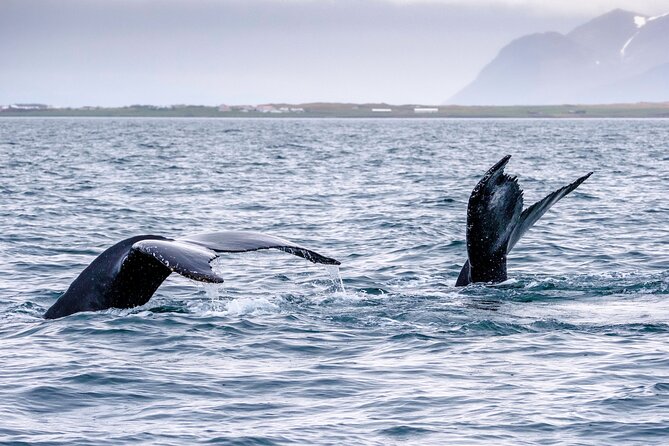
(573, 349)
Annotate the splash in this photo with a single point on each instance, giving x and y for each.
(246, 306)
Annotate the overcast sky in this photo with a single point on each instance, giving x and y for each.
(121, 52)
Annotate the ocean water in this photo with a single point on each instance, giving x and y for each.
(573, 349)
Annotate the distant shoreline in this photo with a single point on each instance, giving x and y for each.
(346, 110)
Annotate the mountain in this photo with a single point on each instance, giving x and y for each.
(650, 86)
(604, 36)
(649, 46)
(620, 54)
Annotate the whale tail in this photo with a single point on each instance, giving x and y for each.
(496, 221)
(533, 213)
(127, 274)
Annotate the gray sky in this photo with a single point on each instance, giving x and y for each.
(121, 52)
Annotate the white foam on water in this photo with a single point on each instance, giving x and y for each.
(236, 307)
(244, 306)
(606, 310)
(507, 282)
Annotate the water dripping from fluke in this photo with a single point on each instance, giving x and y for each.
(213, 292)
(335, 276)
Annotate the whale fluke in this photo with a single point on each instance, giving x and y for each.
(189, 260)
(496, 221)
(127, 274)
(533, 213)
(243, 241)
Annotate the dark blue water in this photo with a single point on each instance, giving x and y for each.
(574, 349)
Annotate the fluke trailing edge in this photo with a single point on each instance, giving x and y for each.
(496, 221)
(127, 274)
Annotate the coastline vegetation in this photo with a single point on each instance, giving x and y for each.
(349, 110)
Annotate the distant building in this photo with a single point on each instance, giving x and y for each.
(382, 110)
(28, 107)
(296, 110)
(224, 108)
(244, 108)
(266, 108)
(426, 110)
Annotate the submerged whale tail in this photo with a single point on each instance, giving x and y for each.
(496, 221)
(127, 274)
